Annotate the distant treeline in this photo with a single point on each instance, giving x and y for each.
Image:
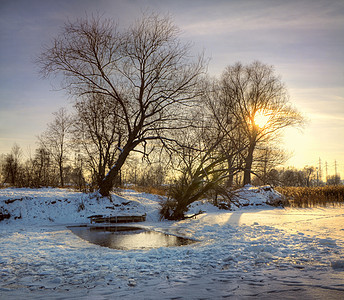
(41, 170)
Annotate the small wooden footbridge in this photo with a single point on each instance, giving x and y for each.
(116, 219)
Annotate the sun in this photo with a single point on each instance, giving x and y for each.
(261, 119)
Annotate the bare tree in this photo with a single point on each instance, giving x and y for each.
(98, 132)
(145, 70)
(309, 173)
(251, 93)
(294, 177)
(223, 123)
(12, 165)
(2, 163)
(266, 160)
(202, 159)
(333, 180)
(54, 140)
(43, 169)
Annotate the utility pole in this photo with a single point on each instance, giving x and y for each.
(326, 171)
(320, 172)
(335, 167)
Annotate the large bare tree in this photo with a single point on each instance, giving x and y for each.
(146, 70)
(256, 98)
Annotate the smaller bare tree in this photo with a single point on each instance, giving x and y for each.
(266, 160)
(12, 165)
(98, 134)
(203, 165)
(55, 140)
(44, 172)
(333, 180)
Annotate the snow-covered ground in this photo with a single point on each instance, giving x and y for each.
(255, 252)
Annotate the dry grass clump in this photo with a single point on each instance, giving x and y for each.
(313, 196)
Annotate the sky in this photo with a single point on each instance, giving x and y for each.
(303, 40)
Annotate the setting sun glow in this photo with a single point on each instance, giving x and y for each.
(261, 119)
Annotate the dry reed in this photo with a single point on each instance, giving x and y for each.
(313, 196)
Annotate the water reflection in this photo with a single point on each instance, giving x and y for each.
(127, 237)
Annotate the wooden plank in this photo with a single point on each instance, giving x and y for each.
(117, 219)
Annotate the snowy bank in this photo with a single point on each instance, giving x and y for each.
(63, 206)
(258, 252)
(247, 197)
(255, 196)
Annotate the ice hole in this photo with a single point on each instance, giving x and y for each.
(128, 237)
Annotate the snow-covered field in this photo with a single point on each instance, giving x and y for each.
(255, 252)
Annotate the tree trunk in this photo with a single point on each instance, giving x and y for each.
(61, 175)
(109, 180)
(248, 164)
(230, 179)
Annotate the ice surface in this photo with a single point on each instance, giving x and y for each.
(252, 253)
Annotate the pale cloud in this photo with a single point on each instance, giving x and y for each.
(278, 15)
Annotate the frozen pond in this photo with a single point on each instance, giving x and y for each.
(127, 237)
